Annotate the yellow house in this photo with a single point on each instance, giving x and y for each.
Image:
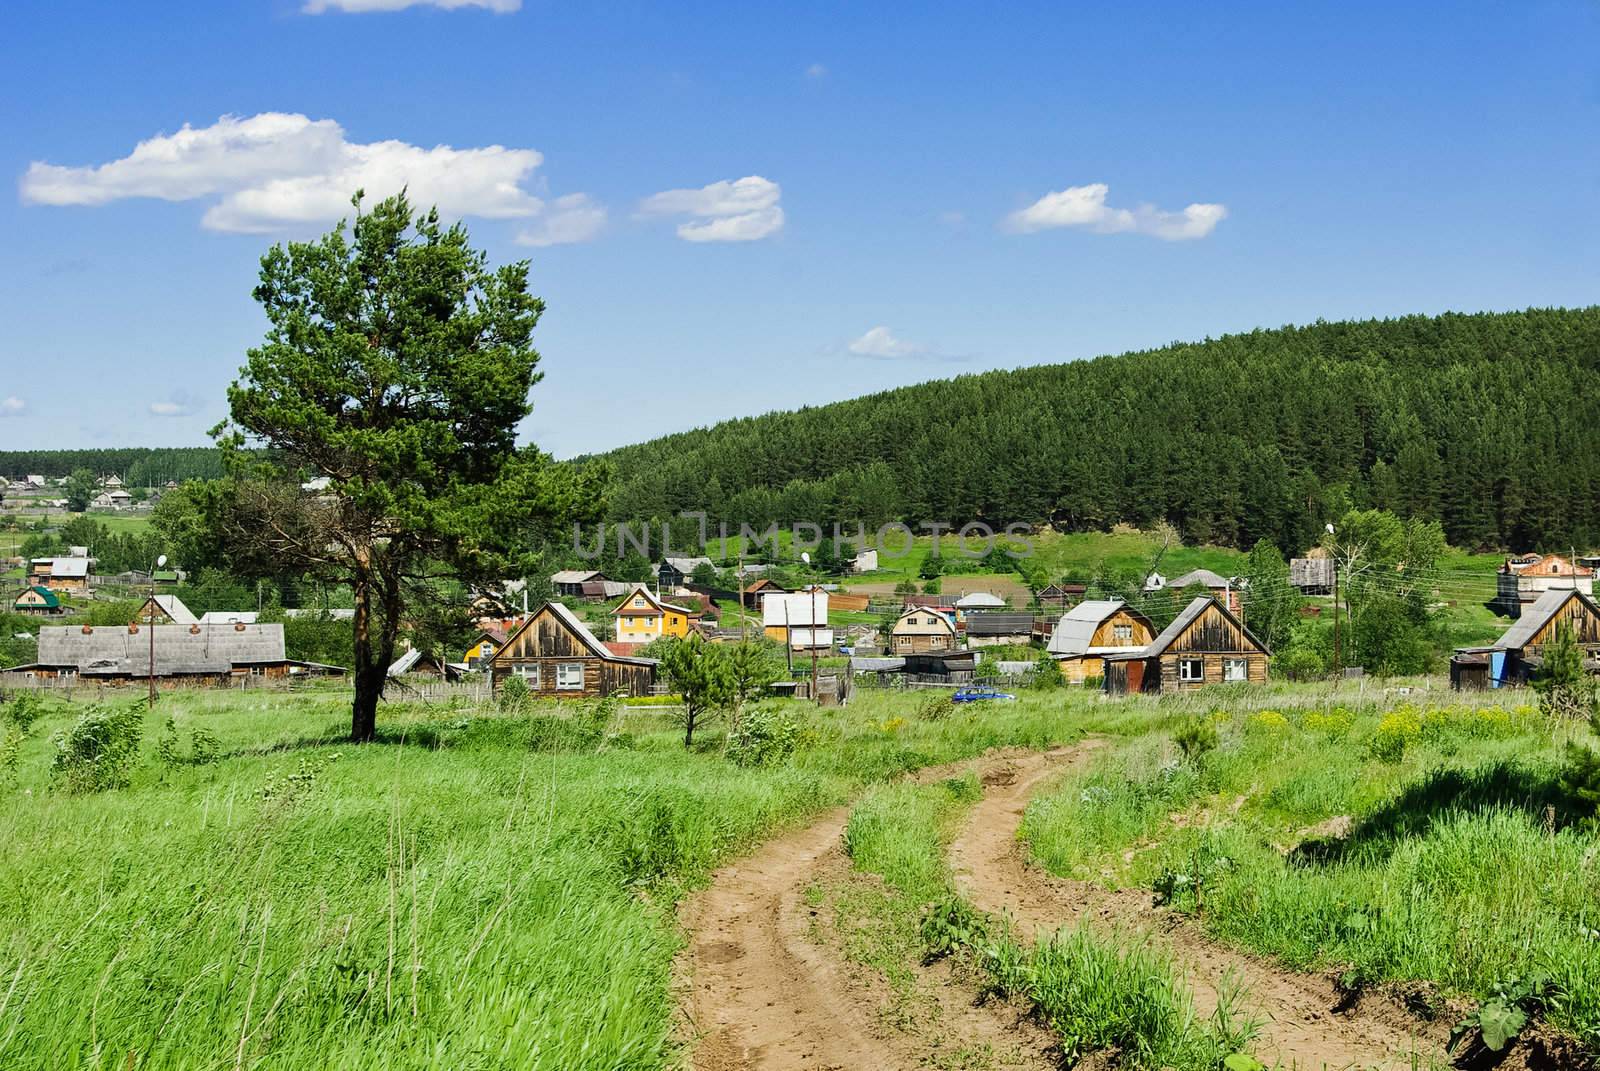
(490, 639)
(642, 617)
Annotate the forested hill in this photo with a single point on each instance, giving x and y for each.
(1488, 422)
(137, 466)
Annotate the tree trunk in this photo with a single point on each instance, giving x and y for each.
(688, 726)
(370, 676)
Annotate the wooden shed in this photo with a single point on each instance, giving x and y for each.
(1092, 631)
(1205, 644)
(559, 658)
(1516, 657)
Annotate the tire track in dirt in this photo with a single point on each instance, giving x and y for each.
(757, 992)
(1300, 1026)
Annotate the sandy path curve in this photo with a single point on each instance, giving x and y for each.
(757, 992)
(1300, 1028)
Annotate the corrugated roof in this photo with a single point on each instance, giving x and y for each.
(998, 624)
(50, 600)
(70, 567)
(223, 617)
(174, 608)
(979, 600)
(1198, 576)
(179, 648)
(864, 664)
(1074, 632)
(1537, 615)
(573, 576)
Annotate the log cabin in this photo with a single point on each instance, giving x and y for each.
(557, 656)
(1091, 631)
(1205, 644)
(1515, 658)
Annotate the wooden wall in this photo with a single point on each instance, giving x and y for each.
(548, 642)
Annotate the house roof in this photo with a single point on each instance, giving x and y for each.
(1198, 576)
(998, 624)
(933, 611)
(1191, 613)
(224, 617)
(1538, 614)
(68, 567)
(979, 600)
(50, 600)
(687, 565)
(115, 650)
(575, 576)
(870, 664)
(406, 662)
(927, 602)
(173, 607)
(640, 589)
(578, 629)
(1076, 628)
(494, 634)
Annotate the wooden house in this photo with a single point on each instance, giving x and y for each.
(751, 594)
(675, 572)
(1515, 658)
(641, 617)
(184, 654)
(1524, 578)
(419, 663)
(557, 656)
(1222, 588)
(60, 574)
(579, 583)
(485, 646)
(36, 599)
(996, 628)
(1061, 596)
(1092, 631)
(165, 610)
(1205, 644)
(919, 630)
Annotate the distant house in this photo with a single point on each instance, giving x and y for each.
(569, 583)
(35, 481)
(1092, 631)
(799, 619)
(183, 654)
(1205, 644)
(419, 663)
(920, 630)
(675, 572)
(1061, 595)
(164, 610)
(36, 599)
(1225, 590)
(1311, 576)
(994, 628)
(1522, 579)
(1517, 655)
(951, 667)
(102, 501)
(641, 617)
(864, 562)
(557, 656)
(112, 482)
(754, 591)
(487, 644)
(226, 617)
(60, 574)
(979, 600)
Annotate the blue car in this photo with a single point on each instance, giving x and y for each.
(982, 694)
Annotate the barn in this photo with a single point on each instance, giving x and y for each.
(557, 656)
(1516, 657)
(1205, 644)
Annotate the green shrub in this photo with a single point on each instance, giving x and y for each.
(100, 749)
(1046, 673)
(1399, 729)
(936, 706)
(1195, 737)
(766, 736)
(1580, 778)
(513, 694)
(23, 710)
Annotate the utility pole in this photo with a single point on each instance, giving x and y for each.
(1333, 553)
(151, 625)
(738, 577)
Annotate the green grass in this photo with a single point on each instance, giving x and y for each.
(476, 892)
(1460, 864)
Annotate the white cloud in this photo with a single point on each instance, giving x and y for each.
(740, 211)
(1085, 206)
(816, 70)
(12, 406)
(880, 344)
(577, 217)
(277, 170)
(177, 407)
(358, 7)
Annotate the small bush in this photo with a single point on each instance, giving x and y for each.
(100, 750)
(1580, 778)
(936, 706)
(951, 925)
(513, 694)
(23, 710)
(766, 736)
(1334, 724)
(1399, 729)
(1269, 722)
(1195, 737)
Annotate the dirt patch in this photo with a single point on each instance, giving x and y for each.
(1300, 1027)
(759, 991)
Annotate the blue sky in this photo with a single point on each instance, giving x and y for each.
(923, 198)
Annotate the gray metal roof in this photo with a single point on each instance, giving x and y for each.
(980, 600)
(69, 567)
(1074, 632)
(174, 608)
(573, 576)
(226, 617)
(865, 664)
(114, 650)
(1198, 576)
(992, 624)
(687, 565)
(1537, 615)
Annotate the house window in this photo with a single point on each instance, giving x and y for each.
(638, 602)
(1191, 669)
(529, 672)
(1234, 669)
(569, 676)
(938, 641)
(1122, 632)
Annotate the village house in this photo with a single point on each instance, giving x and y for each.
(752, 593)
(994, 628)
(1091, 631)
(1224, 589)
(1517, 655)
(557, 656)
(1311, 576)
(799, 619)
(1061, 596)
(419, 663)
(112, 482)
(675, 572)
(36, 600)
(488, 643)
(60, 574)
(641, 618)
(579, 583)
(979, 600)
(1205, 644)
(1524, 578)
(184, 654)
(921, 630)
(164, 610)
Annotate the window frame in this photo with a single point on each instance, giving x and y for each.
(530, 672)
(1122, 632)
(1185, 677)
(1231, 664)
(562, 669)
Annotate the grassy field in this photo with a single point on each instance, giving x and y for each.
(1425, 843)
(477, 891)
